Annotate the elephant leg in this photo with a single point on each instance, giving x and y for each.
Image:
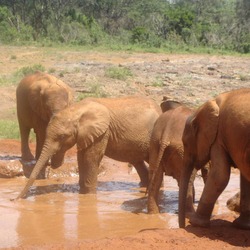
(190, 195)
(142, 171)
(153, 191)
(88, 164)
(243, 221)
(215, 184)
(25, 150)
(40, 138)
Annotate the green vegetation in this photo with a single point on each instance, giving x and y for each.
(158, 82)
(29, 70)
(9, 129)
(96, 90)
(120, 73)
(125, 24)
(14, 79)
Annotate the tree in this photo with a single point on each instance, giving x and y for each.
(243, 26)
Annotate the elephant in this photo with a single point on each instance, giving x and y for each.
(119, 128)
(166, 152)
(38, 97)
(218, 131)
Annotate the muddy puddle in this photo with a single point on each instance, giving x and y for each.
(54, 212)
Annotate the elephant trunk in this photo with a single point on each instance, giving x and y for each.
(184, 186)
(46, 154)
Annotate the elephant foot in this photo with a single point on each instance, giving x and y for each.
(153, 212)
(42, 174)
(87, 190)
(143, 184)
(199, 221)
(153, 209)
(27, 158)
(27, 167)
(242, 222)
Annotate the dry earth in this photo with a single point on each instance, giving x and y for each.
(191, 79)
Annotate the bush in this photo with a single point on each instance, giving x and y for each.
(139, 35)
(120, 73)
(29, 70)
(9, 129)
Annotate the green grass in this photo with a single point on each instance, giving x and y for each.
(9, 129)
(158, 82)
(120, 73)
(95, 91)
(14, 79)
(29, 70)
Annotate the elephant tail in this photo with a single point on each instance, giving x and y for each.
(153, 173)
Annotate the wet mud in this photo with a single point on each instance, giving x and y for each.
(54, 212)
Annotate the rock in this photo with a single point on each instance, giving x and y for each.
(233, 203)
(10, 169)
(212, 67)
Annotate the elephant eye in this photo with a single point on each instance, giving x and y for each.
(62, 136)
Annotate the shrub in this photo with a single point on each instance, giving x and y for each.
(29, 70)
(139, 35)
(120, 73)
(9, 129)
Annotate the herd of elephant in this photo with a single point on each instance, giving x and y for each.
(169, 139)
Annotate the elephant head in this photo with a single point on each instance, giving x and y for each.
(81, 123)
(169, 104)
(199, 134)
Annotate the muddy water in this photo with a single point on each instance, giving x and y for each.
(54, 211)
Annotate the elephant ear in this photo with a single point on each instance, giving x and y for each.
(169, 104)
(205, 124)
(94, 121)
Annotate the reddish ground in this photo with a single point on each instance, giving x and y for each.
(189, 78)
(220, 235)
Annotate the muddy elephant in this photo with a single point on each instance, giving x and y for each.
(119, 128)
(218, 131)
(38, 97)
(166, 152)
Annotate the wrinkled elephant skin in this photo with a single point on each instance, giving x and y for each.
(119, 128)
(218, 131)
(166, 152)
(39, 96)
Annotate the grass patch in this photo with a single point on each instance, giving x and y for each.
(120, 73)
(51, 70)
(29, 70)
(158, 82)
(244, 77)
(14, 79)
(96, 90)
(9, 129)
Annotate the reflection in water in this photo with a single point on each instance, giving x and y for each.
(55, 212)
(8, 234)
